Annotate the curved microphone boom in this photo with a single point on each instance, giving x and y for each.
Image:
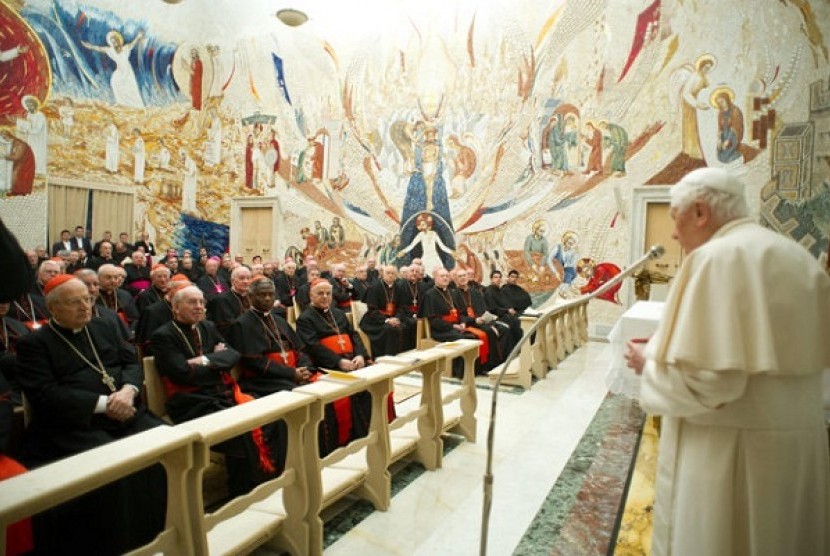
(654, 252)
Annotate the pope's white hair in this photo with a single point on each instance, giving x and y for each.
(721, 190)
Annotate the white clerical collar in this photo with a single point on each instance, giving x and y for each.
(74, 330)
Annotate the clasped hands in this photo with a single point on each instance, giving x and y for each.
(120, 404)
(302, 375)
(353, 364)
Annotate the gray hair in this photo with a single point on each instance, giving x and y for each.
(238, 270)
(179, 295)
(85, 273)
(722, 191)
(48, 262)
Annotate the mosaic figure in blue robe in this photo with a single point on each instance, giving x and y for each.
(427, 192)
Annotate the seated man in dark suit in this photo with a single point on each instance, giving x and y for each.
(442, 310)
(157, 315)
(496, 336)
(195, 367)
(115, 298)
(388, 322)
(225, 308)
(159, 280)
(332, 343)
(82, 382)
(518, 296)
(212, 283)
(30, 308)
(270, 349)
(303, 296)
(65, 244)
(499, 304)
(287, 283)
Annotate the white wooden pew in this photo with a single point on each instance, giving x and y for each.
(51, 485)
(275, 513)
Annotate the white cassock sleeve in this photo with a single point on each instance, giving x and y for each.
(683, 392)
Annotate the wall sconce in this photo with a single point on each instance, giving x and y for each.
(292, 17)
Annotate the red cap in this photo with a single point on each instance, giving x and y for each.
(179, 278)
(158, 266)
(56, 281)
(317, 281)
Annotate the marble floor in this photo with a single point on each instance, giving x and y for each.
(562, 455)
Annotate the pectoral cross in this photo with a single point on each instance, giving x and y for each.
(341, 342)
(108, 381)
(284, 356)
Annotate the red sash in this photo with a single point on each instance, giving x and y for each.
(241, 397)
(389, 311)
(484, 348)
(171, 388)
(18, 534)
(334, 342)
(343, 414)
(345, 304)
(343, 406)
(452, 317)
(123, 316)
(289, 361)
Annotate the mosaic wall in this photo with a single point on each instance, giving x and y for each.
(485, 135)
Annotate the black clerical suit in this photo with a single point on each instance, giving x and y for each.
(327, 336)
(153, 317)
(200, 389)
(499, 304)
(359, 288)
(225, 308)
(30, 309)
(148, 297)
(471, 305)
(441, 309)
(384, 302)
(63, 391)
(518, 296)
(212, 286)
(287, 287)
(342, 293)
(261, 340)
(138, 279)
(122, 303)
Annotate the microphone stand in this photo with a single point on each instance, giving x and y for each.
(655, 252)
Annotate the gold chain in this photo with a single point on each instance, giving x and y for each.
(187, 340)
(106, 378)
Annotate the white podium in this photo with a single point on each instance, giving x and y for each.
(639, 321)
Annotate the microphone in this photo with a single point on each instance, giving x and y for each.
(656, 251)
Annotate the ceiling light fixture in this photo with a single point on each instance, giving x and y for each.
(292, 17)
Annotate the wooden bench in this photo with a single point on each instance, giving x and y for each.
(276, 513)
(53, 484)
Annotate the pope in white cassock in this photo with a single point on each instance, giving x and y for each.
(735, 368)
